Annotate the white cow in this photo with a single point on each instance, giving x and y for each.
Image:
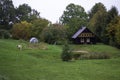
(19, 46)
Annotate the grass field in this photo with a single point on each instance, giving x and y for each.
(45, 64)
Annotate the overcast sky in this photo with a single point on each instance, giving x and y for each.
(53, 9)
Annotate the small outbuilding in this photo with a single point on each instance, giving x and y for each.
(84, 36)
(33, 40)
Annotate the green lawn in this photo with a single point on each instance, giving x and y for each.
(39, 64)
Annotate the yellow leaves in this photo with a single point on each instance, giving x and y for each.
(25, 23)
(117, 34)
(114, 30)
(21, 30)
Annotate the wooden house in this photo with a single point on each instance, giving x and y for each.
(84, 36)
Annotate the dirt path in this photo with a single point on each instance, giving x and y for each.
(81, 51)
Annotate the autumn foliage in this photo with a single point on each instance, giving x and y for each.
(21, 30)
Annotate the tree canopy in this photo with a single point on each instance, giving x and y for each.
(7, 14)
(38, 26)
(25, 12)
(53, 34)
(74, 16)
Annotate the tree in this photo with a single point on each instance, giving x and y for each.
(34, 15)
(25, 13)
(97, 20)
(97, 7)
(54, 33)
(117, 34)
(74, 16)
(21, 30)
(38, 26)
(7, 14)
(112, 13)
(114, 32)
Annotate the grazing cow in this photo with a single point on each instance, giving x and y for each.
(19, 47)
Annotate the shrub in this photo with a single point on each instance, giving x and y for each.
(85, 56)
(4, 34)
(77, 56)
(66, 53)
(99, 56)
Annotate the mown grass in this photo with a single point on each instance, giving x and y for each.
(45, 64)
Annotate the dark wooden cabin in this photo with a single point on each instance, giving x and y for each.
(84, 36)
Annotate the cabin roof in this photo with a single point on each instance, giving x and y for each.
(78, 32)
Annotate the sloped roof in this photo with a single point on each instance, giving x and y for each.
(78, 32)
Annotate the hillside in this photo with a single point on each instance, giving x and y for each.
(45, 64)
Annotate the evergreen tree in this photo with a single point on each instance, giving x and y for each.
(66, 53)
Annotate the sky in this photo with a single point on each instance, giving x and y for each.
(52, 10)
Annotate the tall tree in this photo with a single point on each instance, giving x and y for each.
(23, 12)
(97, 20)
(111, 17)
(26, 13)
(74, 16)
(7, 14)
(112, 13)
(117, 34)
(97, 7)
(34, 15)
(114, 32)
